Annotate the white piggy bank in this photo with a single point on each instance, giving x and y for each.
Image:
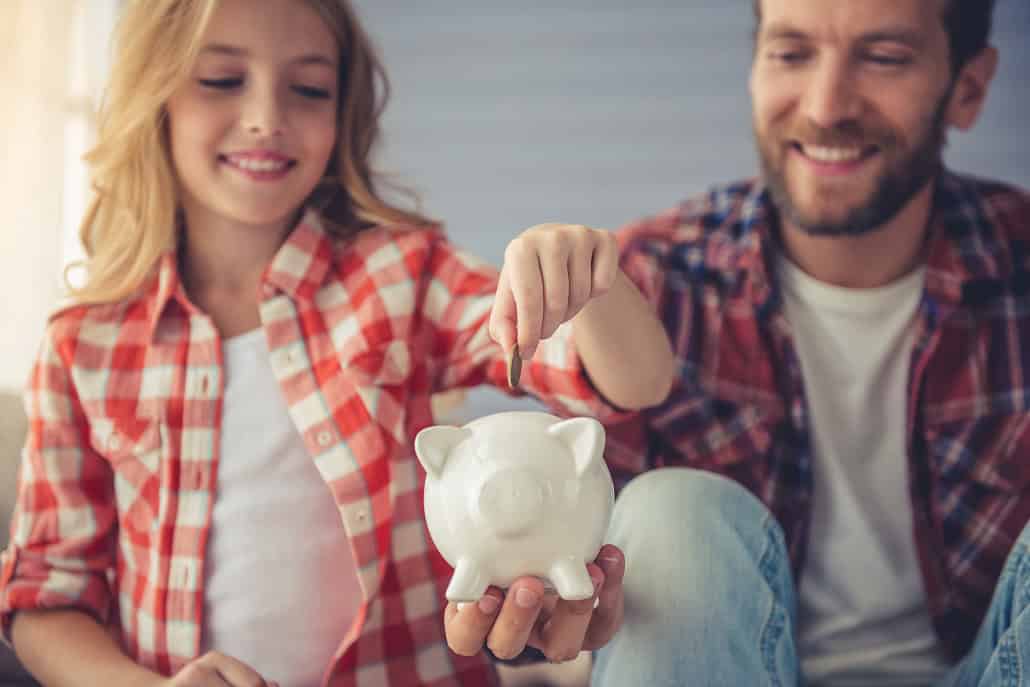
(515, 494)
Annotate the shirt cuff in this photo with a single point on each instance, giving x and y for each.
(31, 587)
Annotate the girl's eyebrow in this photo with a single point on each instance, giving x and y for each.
(236, 51)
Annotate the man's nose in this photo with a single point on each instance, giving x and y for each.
(832, 95)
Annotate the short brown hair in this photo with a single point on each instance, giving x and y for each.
(967, 22)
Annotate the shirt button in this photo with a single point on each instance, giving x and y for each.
(324, 438)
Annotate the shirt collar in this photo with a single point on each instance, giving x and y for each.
(297, 270)
(968, 257)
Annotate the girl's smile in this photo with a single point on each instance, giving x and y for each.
(259, 165)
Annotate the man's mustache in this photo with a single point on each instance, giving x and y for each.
(847, 134)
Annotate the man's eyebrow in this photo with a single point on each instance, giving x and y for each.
(890, 34)
(236, 51)
(903, 35)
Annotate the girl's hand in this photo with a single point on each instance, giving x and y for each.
(214, 669)
(550, 272)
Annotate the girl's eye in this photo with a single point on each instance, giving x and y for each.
(793, 57)
(312, 92)
(221, 84)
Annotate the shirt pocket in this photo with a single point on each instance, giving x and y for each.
(992, 451)
(133, 447)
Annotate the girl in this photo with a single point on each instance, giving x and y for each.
(244, 370)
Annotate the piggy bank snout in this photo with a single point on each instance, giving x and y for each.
(510, 502)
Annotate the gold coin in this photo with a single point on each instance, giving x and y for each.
(514, 366)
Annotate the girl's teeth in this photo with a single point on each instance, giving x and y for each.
(260, 165)
(822, 154)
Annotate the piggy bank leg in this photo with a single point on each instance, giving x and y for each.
(468, 582)
(570, 577)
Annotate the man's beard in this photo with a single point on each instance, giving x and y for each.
(895, 187)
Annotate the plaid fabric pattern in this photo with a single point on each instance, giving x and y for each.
(739, 408)
(124, 404)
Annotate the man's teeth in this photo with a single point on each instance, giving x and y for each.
(260, 165)
(822, 154)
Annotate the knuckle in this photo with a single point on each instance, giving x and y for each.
(555, 311)
(515, 249)
(193, 673)
(557, 242)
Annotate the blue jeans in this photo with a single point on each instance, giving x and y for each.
(710, 599)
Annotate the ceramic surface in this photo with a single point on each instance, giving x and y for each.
(514, 494)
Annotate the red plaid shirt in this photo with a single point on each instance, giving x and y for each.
(124, 406)
(739, 407)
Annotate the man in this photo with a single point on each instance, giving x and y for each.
(854, 338)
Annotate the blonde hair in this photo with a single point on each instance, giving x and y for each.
(132, 219)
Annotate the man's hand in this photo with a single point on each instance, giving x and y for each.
(525, 616)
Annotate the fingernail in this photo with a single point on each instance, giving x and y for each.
(488, 604)
(597, 582)
(526, 598)
(608, 561)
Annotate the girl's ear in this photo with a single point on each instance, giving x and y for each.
(970, 90)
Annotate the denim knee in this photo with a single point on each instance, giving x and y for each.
(682, 530)
(709, 598)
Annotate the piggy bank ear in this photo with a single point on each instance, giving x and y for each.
(585, 438)
(434, 444)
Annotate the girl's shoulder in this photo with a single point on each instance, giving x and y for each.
(101, 324)
(391, 246)
(405, 237)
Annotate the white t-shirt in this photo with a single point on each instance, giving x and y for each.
(863, 618)
(281, 589)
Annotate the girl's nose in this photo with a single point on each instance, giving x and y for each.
(263, 115)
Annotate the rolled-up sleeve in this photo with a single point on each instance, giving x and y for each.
(61, 549)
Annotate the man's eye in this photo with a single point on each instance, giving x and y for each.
(312, 92)
(889, 60)
(221, 84)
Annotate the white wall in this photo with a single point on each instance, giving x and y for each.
(33, 56)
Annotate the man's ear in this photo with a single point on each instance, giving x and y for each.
(970, 90)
